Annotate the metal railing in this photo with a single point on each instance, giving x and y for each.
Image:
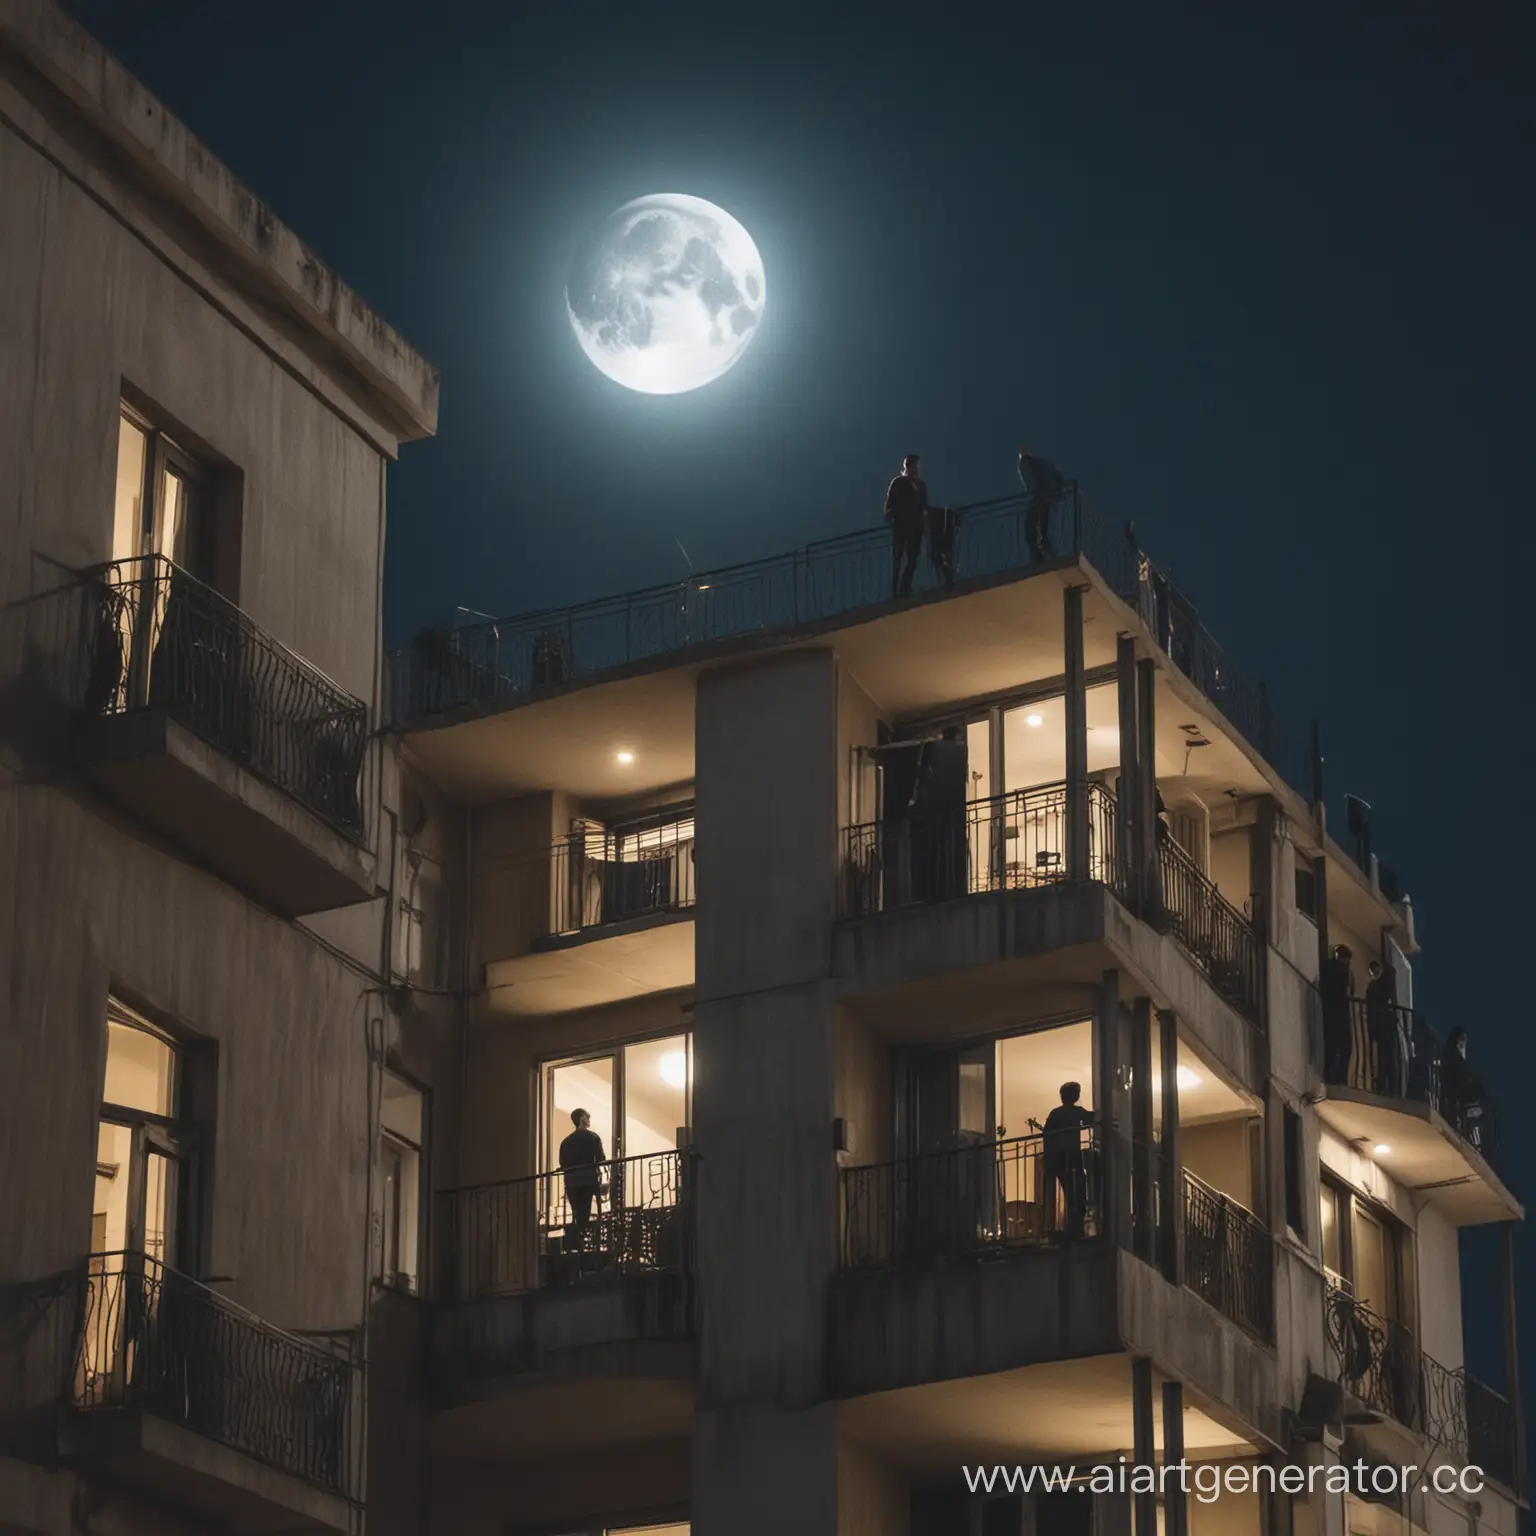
(1011, 842)
(611, 876)
(1394, 1053)
(1215, 935)
(1376, 1357)
(1025, 1191)
(1490, 1424)
(161, 639)
(1229, 1257)
(500, 660)
(635, 1217)
(1443, 1405)
(153, 1340)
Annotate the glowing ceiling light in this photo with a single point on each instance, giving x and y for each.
(1034, 720)
(1187, 1078)
(674, 1069)
(1381, 1149)
(624, 758)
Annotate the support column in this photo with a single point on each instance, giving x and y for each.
(1114, 1172)
(1127, 850)
(1151, 892)
(1512, 1354)
(1175, 1500)
(1170, 1237)
(1144, 1452)
(1142, 1203)
(1077, 734)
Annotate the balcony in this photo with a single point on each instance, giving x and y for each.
(1400, 1089)
(1017, 843)
(1377, 1360)
(173, 1388)
(217, 735)
(529, 1285)
(615, 921)
(1229, 1258)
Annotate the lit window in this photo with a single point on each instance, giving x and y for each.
(400, 1143)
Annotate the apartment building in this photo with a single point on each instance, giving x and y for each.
(815, 901)
(209, 1152)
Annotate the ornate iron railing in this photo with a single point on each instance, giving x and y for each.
(1229, 1257)
(1491, 1433)
(500, 660)
(606, 876)
(1025, 1191)
(1376, 1357)
(626, 1216)
(153, 1340)
(161, 639)
(1215, 935)
(1394, 1053)
(1009, 842)
(1443, 1406)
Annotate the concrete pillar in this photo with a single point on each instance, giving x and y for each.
(1327, 1508)
(1144, 1454)
(1170, 1239)
(1151, 893)
(1142, 1176)
(1077, 734)
(1114, 1168)
(764, 1024)
(1512, 1352)
(1127, 848)
(1175, 1500)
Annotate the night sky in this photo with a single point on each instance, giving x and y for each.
(1263, 283)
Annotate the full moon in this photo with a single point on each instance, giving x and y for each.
(666, 293)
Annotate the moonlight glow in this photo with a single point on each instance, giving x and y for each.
(666, 293)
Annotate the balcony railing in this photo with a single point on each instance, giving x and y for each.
(642, 870)
(525, 1234)
(1395, 1054)
(1011, 842)
(151, 1339)
(991, 1195)
(1219, 939)
(161, 639)
(1376, 1357)
(504, 659)
(1491, 1433)
(1229, 1257)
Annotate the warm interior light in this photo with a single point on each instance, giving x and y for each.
(625, 758)
(1187, 1078)
(1381, 1149)
(674, 1069)
(1036, 720)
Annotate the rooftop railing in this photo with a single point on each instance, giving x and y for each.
(1395, 1054)
(1229, 1257)
(161, 639)
(1027, 1191)
(626, 1216)
(154, 1340)
(502, 660)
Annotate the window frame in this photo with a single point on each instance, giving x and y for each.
(411, 1283)
(1398, 1240)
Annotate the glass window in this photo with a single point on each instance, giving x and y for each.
(571, 1085)
(141, 1069)
(128, 509)
(655, 1095)
(400, 1144)
(1328, 1220)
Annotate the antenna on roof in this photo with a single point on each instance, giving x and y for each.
(679, 544)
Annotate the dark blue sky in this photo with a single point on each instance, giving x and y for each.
(1263, 282)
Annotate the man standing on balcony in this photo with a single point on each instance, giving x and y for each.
(1334, 985)
(1065, 1159)
(1044, 485)
(938, 819)
(1381, 1024)
(581, 1161)
(907, 511)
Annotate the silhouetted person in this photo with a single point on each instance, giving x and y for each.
(581, 1161)
(1460, 1088)
(906, 510)
(1382, 1028)
(943, 784)
(1042, 480)
(1065, 1162)
(1333, 986)
(943, 529)
(1162, 819)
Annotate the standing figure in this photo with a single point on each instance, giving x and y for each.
(906, 510)
(1461, 1089)
(1333, 985)
(1065, 1161)
(1381, 1025)
(581, 1161)
(1042, 480)
(943, 777)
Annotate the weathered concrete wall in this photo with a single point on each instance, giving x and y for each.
(865, 1090)
(1439, 1286)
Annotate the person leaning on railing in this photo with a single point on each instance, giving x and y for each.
(1044, 483)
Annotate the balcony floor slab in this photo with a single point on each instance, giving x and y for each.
(596, 968)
